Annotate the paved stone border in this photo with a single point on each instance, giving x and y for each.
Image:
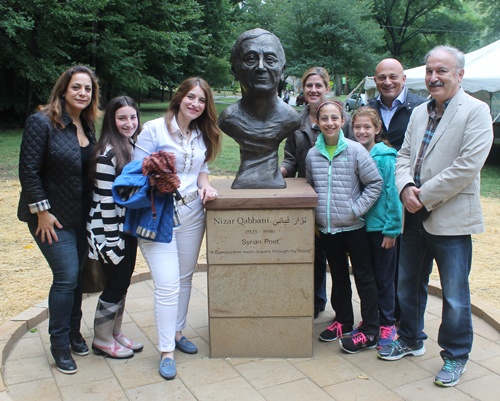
(12, 330)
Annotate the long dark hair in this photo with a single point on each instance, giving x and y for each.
(111, 136)
(206, 122)
(56, 102)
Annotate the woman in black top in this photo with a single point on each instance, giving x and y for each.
(55, 199)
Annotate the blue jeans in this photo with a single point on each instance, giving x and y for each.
(453, 255)
(65, 258)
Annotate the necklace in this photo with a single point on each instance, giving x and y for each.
(182, 130)
(188, 152)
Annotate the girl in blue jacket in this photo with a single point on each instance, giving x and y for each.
(383, 220)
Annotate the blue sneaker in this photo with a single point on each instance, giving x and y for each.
(398, 349)
(167, 369)
(356, 329)
(388, 335)
(450, 373)
(186, 346)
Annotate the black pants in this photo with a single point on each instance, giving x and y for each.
(384, 268)
(356, 243)
(118, 276)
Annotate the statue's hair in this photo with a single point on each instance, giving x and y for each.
(252, 34)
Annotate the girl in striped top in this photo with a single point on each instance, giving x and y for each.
(115, 250)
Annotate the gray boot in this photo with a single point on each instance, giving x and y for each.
(117, 331)
(104, 322)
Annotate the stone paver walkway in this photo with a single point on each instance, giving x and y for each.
(331, 374)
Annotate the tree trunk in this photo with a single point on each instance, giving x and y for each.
(93, 54)
(338, 85)
(33, 50)
(28, 93)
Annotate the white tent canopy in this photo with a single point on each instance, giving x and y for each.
(482, 72)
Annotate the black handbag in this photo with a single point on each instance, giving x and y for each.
(93, 276)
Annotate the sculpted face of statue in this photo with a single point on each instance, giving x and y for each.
(259, 63)
(259, 121)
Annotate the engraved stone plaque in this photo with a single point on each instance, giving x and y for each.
(260, 236)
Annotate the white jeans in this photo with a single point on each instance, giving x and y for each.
(172, 266)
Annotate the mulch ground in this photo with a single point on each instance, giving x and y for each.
(25, 276)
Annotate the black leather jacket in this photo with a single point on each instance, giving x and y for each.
(50, 169)
(399, 122)
(298, 144)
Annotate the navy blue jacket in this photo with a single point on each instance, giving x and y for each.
(399, 122)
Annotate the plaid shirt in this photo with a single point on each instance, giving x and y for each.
(432, 125)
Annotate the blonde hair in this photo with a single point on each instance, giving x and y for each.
(316, 71)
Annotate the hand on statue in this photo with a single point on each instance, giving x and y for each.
(208, 193)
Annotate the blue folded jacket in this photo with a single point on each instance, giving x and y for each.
(132, 190)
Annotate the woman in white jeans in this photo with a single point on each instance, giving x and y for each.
(190, 131)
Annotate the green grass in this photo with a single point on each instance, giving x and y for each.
(10, 143)
(490, 181)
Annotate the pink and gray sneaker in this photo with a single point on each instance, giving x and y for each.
(387, 336)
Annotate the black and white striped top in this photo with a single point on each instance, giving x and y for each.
(105, 223)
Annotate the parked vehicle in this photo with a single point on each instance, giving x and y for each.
(301, 100)
(354, 103)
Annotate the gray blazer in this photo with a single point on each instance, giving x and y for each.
(451, 165)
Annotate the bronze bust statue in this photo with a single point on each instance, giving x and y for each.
(260, 121)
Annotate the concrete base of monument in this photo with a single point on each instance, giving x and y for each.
(260, 256)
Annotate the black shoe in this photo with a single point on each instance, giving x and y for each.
(64, 361)
(357, 343)
(336, 330)
(78, 344)
(318, 310)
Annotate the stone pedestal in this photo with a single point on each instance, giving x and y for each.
(260, 255)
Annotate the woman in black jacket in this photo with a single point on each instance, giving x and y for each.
(55, 200)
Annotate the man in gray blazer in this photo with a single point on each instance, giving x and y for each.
(437, 175)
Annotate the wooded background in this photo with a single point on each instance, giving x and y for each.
(145, 48)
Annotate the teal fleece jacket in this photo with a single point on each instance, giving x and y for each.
(387, 213)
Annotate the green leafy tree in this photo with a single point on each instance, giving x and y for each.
(413, 27)
(339, 35)
(491, 9)
(39, 39)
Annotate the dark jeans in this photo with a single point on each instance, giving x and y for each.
(319, 275)
(118, 276)
(354, 242)
(384, 268)
(65, 258)
(397, 309)
(453, 255)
